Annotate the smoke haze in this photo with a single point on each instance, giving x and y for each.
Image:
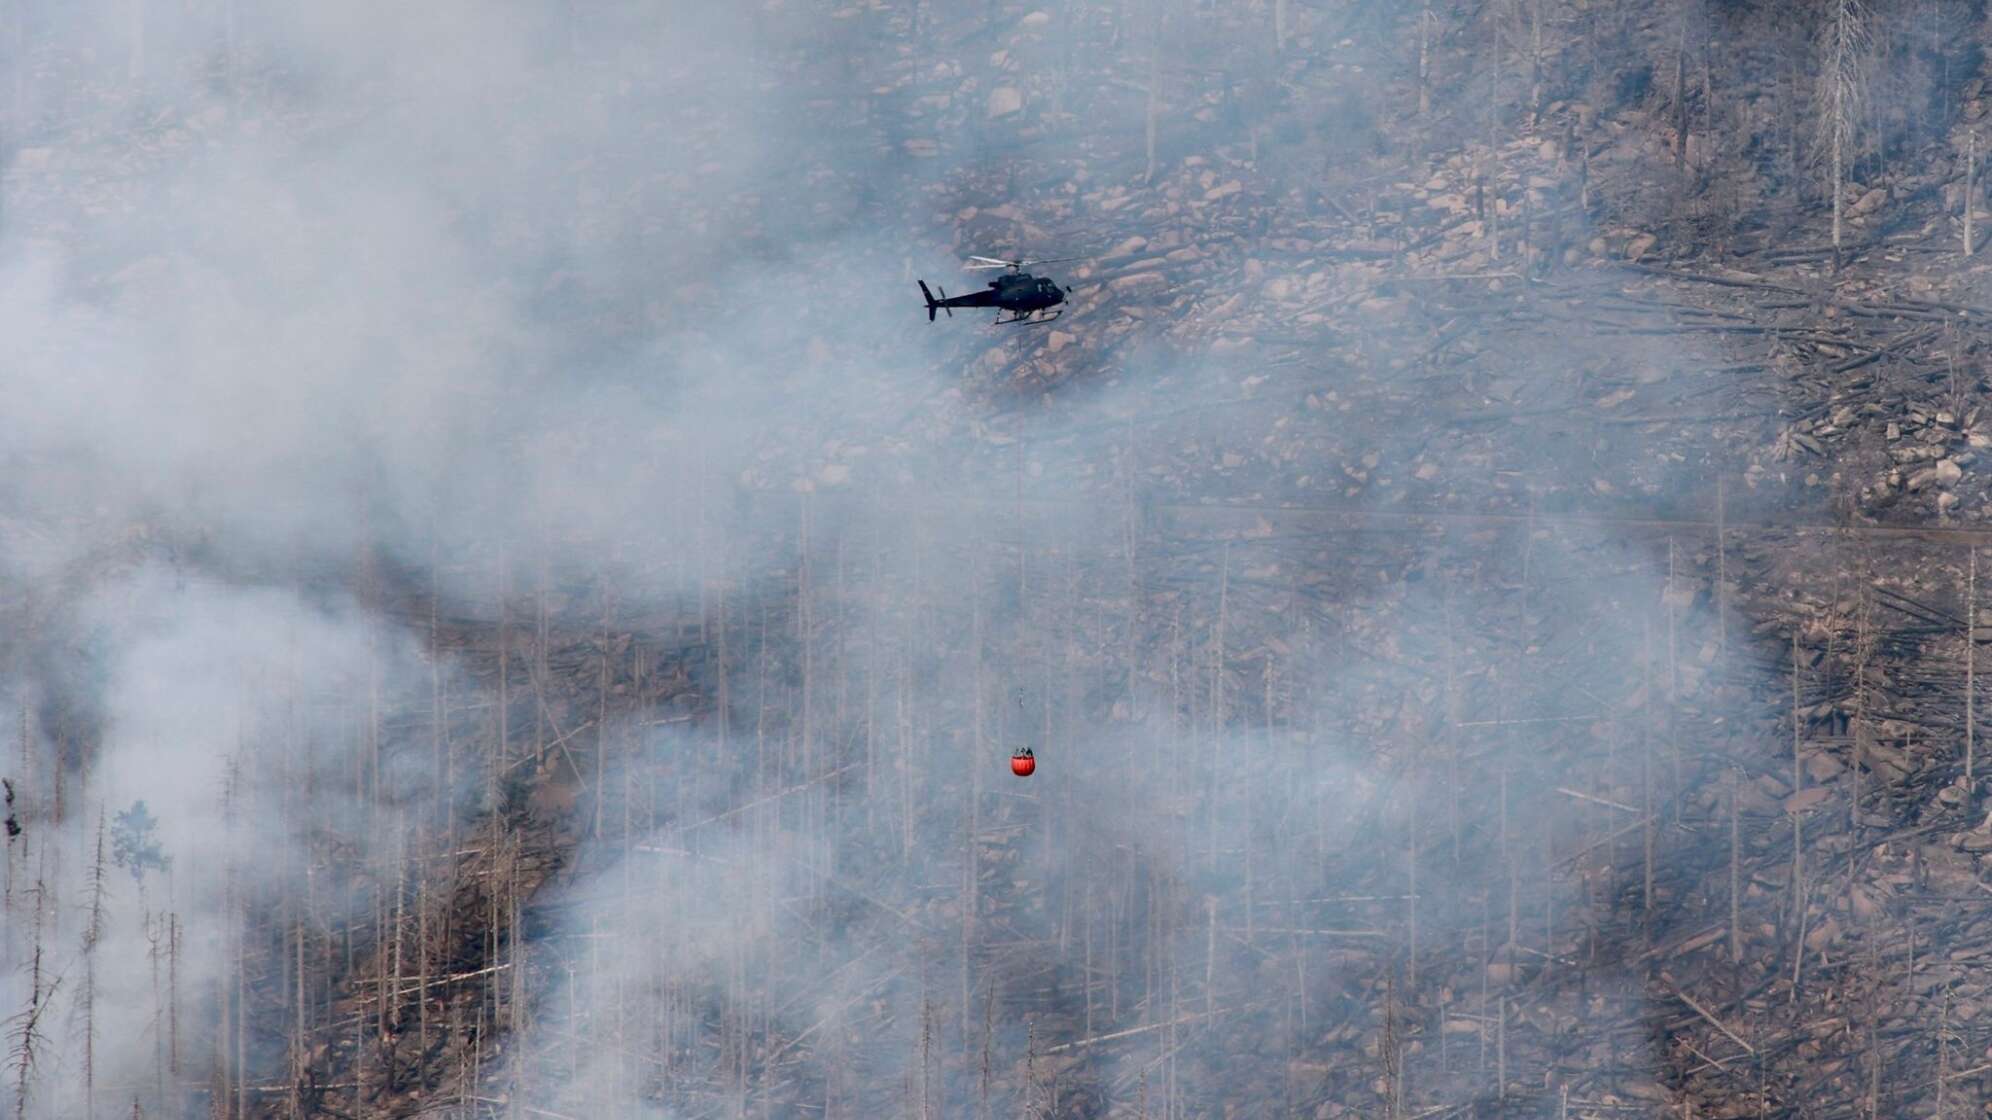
(481, 475)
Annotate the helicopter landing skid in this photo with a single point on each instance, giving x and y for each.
(1031, 319)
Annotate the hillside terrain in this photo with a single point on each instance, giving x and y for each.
(512, 611)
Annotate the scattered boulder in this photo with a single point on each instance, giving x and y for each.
(1004, 100)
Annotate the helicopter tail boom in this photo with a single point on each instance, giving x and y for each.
(934, 304)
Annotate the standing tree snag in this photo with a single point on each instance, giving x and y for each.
(1841, 89)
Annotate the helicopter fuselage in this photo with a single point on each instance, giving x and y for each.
(1025, 293)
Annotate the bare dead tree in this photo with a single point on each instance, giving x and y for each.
(1970, 178)
(1842, 89)
(1425, 59)
(1970, 681)
(93, 932)
(1154, 95)
(24, 1034)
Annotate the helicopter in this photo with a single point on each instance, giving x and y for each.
(1024, 296)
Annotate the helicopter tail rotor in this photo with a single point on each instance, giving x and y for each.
(935, 304)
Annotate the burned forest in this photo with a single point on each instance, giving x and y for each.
(510, 609)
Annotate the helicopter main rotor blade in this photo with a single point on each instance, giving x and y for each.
(1015, 262)
(1018, 264)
